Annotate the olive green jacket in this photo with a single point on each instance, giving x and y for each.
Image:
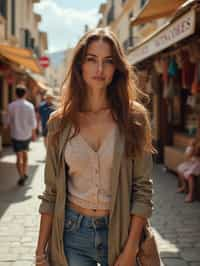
(123, 203)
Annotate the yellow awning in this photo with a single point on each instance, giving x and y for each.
(155, 9)
(20, 56)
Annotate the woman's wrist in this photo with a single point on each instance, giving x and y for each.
(132, 246)
(40, 252)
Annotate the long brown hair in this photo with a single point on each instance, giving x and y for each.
(122, 94)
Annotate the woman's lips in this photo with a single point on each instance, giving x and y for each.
(99, 78)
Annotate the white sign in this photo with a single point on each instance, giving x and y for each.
(178, 30)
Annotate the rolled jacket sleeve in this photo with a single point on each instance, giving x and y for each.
(49, 195)
(142, 189)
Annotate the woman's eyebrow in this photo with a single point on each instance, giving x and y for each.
(89, 54)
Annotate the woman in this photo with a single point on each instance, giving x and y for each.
(98, 192)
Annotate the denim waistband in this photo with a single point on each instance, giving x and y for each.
(87, 221)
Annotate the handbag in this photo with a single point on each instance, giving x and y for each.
(148, 254)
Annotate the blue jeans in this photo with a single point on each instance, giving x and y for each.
(85, 239)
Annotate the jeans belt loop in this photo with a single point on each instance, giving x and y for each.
(79, 220)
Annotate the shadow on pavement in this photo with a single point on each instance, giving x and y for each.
(10, 192)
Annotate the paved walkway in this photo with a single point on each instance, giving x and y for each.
(176, 224)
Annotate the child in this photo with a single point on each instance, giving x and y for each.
(190, 168)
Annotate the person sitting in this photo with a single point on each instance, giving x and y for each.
(189, 169)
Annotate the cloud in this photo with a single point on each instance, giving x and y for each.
(64, 26)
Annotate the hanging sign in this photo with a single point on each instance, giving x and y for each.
(44, 61)
(170, 34)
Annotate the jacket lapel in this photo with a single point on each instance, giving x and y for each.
(63, 140)
(118, 153)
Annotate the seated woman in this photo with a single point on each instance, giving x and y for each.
(190, 168)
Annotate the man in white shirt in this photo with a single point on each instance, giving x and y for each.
(22, 122)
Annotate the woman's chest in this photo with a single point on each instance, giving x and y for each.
(95, 130)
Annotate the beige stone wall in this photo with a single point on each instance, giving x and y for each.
(25, 18)
(120, 24)
(2, 29)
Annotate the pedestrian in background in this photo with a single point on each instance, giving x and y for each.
(98, 192)
(190, 168)
(22, 123)
(46, 107)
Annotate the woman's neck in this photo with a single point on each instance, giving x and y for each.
(96, 102)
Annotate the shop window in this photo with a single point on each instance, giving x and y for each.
(27, 38)
(142, 3)
(3, 8)
(110, 16)
(13, 7)
(131, 43)
(32, 42)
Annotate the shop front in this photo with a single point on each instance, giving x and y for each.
(13, 64)
(171, 60)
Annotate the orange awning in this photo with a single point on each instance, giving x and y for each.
(20, 56)
(155, 9)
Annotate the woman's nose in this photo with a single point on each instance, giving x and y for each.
(100, 67)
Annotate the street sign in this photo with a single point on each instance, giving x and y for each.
(44, 61)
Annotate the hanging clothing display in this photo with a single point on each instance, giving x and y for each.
(196, 81)
(173, 68)
(187, 70)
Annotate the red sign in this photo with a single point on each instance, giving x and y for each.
(44, 61)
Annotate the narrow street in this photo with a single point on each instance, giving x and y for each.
(176, 223)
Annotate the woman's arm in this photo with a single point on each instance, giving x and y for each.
(136, 229)
(48, 198)
(44, 233)
(141, 209)
(128, 255)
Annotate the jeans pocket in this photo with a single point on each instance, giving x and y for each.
(70, 224)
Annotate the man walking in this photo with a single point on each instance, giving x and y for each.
(22, 122)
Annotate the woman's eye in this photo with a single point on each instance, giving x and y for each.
(90, 59)
(109, 61)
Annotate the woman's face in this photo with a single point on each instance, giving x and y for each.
(98, 67)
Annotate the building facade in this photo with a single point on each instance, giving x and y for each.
(117, 14)
(21, 45)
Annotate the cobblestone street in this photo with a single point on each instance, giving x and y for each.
(176, 224)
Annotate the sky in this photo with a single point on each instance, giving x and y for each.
(64, 20)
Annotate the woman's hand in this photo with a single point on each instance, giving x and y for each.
(127, 257)
(42, 263)
(41, 260)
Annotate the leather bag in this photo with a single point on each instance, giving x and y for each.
(148, 254)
